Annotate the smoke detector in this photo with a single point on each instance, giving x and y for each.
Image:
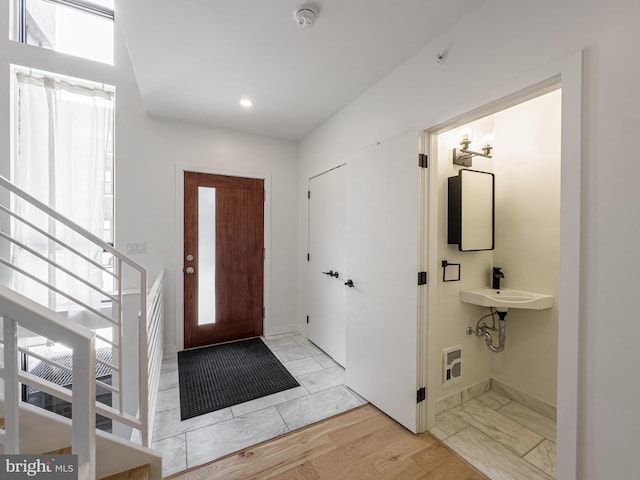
(305, 16)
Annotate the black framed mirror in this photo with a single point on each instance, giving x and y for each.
(471, 210)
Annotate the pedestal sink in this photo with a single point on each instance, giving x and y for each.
(506, 298)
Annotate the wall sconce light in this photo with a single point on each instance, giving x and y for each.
(462, 155)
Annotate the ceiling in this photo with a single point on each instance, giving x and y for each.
(195, 59)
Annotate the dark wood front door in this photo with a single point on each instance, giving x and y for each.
(223, 266)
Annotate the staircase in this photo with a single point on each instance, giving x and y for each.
(105, 303)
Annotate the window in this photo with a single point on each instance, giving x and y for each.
(82, 28)
(63, 157)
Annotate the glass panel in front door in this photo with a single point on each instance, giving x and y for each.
(206, 255)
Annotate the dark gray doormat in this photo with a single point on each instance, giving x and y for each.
(220, 376)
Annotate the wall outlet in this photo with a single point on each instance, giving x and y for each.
(451, 365)
(135, 248)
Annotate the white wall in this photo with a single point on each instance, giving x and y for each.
(148, 152)
(498, 43)
(453, 316)
(175, 145)
(527, 168)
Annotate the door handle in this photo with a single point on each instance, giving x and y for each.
(349, 283)
(189, 270)
(331, 273)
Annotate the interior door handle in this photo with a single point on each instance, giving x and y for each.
(331, 273)
(349, 283)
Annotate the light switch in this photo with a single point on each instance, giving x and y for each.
(136, 248)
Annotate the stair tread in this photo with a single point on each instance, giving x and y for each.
(138, 473)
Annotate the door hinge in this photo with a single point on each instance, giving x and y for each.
(308, 193)
(421, 395)
(263, 311)
(423, 160)
(308, 257)
(264, 254)
(307, 318)
(423, 278)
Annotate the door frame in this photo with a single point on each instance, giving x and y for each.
(308, 232)
(179, 239)
(564, 73)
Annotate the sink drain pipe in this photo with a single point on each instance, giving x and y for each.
(484, 330)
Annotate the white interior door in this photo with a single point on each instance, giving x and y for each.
(327, 218)
(382, 261)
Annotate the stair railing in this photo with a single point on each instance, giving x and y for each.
(124, 270)
(19, 311)
(155, 342)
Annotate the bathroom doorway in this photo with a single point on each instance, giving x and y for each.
(476, 392)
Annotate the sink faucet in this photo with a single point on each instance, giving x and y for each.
(496, 276)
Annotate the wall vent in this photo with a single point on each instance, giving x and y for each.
(451, 365)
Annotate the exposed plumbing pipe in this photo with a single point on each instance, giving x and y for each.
(502, 336)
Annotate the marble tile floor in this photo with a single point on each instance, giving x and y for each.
(198, 440)
(503, 439)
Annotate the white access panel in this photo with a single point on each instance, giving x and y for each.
(382, 261)
(327, 222)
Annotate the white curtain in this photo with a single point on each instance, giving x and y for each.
(65, 141)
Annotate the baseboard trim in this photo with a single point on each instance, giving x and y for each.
(456, 399)
(281, 330)
(169, 351)
(535, 404)
(172, 349)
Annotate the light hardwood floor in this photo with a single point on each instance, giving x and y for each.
(360, 444)
(139, 473)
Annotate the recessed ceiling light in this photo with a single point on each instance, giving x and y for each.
(245, 102)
